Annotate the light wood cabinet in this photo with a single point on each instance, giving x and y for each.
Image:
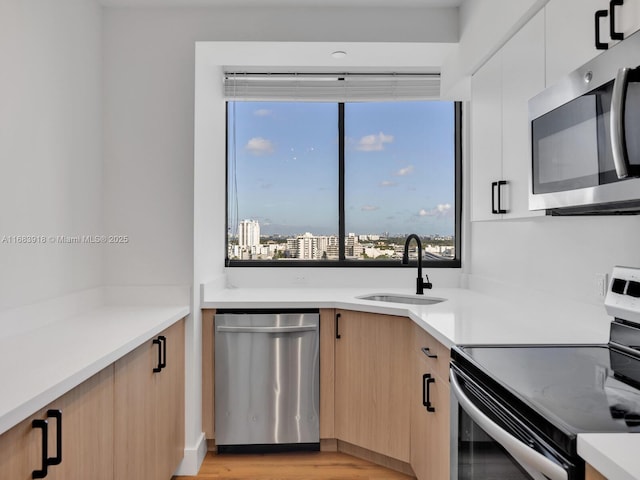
(87, 435)
(20, 449)
(372, 381)
(500, 149)
(149, 408)
(430, 432)
(171, 404)
(327, 375)
(208, 363)
(593, 474)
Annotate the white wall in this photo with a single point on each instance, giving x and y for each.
(149, 78)
(50, 147)
(556, 255)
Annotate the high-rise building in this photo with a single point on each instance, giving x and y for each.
(353, 248)
(249, 233)
(307, 246)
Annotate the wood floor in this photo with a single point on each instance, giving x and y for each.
(291, 466)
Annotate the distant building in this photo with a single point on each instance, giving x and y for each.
(249, 234)
(353, 248)
(307, 246)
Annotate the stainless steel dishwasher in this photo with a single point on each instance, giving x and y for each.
(267, 380)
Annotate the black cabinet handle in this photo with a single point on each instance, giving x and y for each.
(427, 380)
(493, 197)
(501, 183)
(497, 185)
(57, 414)
(163, 361)
(612, 20)
(156, 341)
(338, 326)
(428, 353)
(598, 16)
(42, 424)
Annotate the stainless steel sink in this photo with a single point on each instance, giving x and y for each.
(396, 298)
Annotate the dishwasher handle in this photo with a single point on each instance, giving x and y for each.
(289, 329)
(521, 452)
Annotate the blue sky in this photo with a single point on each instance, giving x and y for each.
(398, 167)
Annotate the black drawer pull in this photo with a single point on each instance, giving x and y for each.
(42, 424)
(427, 380)
(156, 341)
(163, 340)
(57, 414)
(337, 325)
(428, 353)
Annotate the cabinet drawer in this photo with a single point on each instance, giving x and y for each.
(435, 354)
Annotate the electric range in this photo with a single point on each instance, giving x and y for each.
(517, 409)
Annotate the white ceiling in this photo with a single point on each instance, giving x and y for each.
(282, 3)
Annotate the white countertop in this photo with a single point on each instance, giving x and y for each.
(614, 455)
(465, 317)
(40, 365)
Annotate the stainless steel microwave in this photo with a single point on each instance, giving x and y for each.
(585, 137)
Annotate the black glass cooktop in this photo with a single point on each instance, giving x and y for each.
(573, 389)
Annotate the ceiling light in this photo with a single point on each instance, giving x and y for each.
(339, 54)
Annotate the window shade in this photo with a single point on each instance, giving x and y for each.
(331, 87)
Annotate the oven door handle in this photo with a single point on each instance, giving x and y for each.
(521, 452)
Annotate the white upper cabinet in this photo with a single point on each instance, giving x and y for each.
(558, 39)
(500, 92)
(522, 78)
(570, 32)
(486, 136)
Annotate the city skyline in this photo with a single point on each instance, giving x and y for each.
(399, 174)
(248, 245)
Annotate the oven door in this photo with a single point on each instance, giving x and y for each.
(488, 442)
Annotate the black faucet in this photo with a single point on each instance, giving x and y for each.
(420, 283)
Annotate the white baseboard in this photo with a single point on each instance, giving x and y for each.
(193, 458)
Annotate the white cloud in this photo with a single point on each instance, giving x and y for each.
(404, 171)
(369, 208)
(373, 142)
(441, 210)
(262, 112)
(260, 146)
(387, 183)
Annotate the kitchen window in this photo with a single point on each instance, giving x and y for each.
(342, 183)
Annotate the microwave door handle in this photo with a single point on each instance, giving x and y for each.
(521, 452)
(618, 142)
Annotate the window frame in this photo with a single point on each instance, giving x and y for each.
(343, 262)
